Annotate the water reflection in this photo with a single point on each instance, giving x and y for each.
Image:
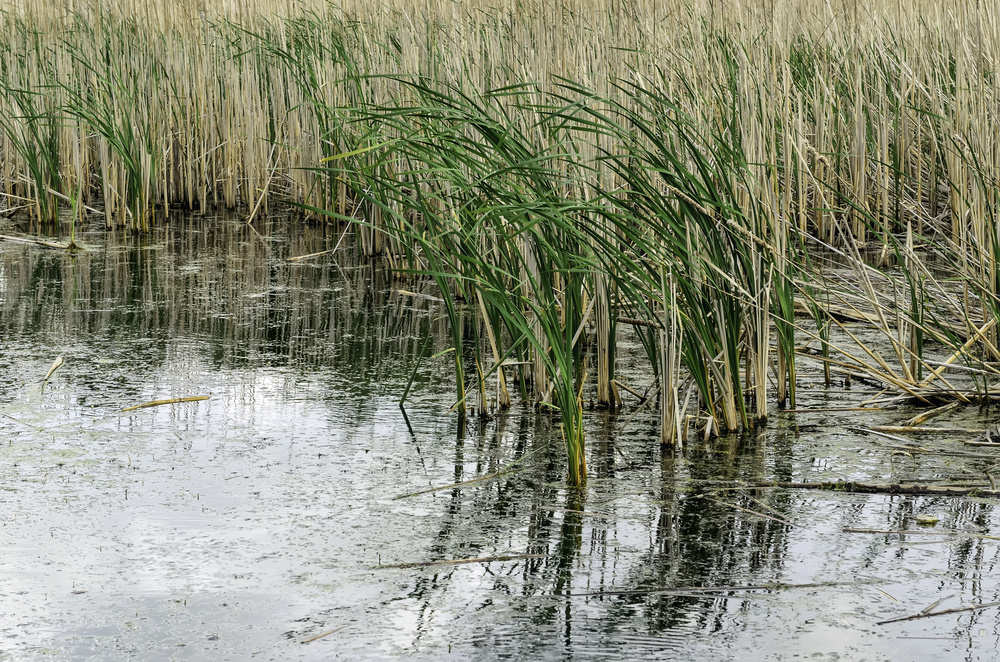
(271, 506)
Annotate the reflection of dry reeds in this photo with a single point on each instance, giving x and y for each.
(226, 286)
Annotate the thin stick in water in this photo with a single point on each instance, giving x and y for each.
(484, 559)
(157, 403)
(55, 366)
(325, 634)
(938, 613)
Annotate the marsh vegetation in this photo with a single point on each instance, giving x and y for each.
(565, 173)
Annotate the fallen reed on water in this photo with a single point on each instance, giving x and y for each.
(565, 171)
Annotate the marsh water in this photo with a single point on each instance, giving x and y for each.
(264, 521)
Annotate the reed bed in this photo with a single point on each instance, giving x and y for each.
(564, 171)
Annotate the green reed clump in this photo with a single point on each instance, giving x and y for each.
(678, 207)
(30, 123)
(478, 208)
(131, 137)
(485, 197)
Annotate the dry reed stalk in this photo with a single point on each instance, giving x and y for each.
(503, 395)
(670, 353)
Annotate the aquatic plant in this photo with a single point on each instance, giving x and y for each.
(558, 168)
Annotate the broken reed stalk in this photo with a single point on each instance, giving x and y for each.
(852, 487)
(171, 401)
(484, 559)
(56, 364)
(942, 612)
(670, 341)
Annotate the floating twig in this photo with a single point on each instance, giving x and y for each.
(55, 366)
(638, 322)
(306, 257)
(484, 559)
(464, 483)
(576, 512)
(747, 510)
(886, 595)
(417, 295)
(931, 607)
(923, 430)
(20, 422)
(898, 531)
(332, 250)
(943, 532)
(919, 449)
(45, 243)
(325, 634)
(712, 590)
(939, 613)
(927, 415)
(643, 403)
(511, 468)
(640, 396)
(852, 487)
(830, 409)
(172, 401)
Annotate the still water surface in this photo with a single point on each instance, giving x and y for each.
(248, 525)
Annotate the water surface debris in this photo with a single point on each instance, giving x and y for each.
(451, 485)
(417, 295)
(45, 243)
(510, 468)
(939, 613)
(747, 510)
(325, 634)
(923, 417)
(484, 559)
(557, 509)
(934, 605)
(938, 532)
(926, 430)
(55, 366)
(157, 403)
(306, 257)
(711, 591)
(19, 422)
(851, 487)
